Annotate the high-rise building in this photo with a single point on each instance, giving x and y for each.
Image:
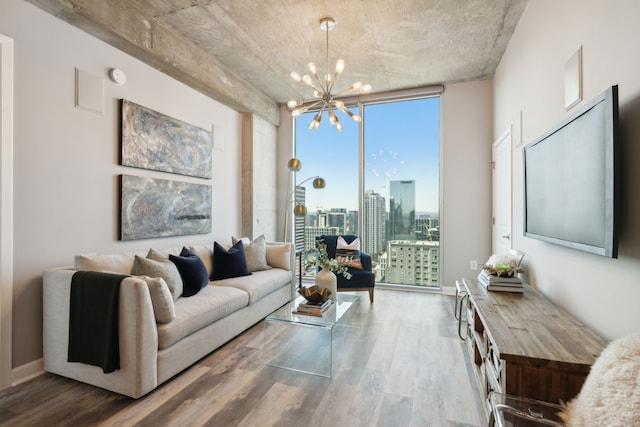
(352, 223)
(338, 218)
(427, 228)
(402, 210)
(299, 197)
(310, 234)
(412, 263)
(374, 224)
(323, 219)
(311, 219)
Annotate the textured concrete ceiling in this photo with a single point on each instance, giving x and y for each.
(241, 52)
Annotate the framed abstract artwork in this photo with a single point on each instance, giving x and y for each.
(152, 140)
(151, 207)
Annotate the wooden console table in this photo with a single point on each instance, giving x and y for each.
(522, 344)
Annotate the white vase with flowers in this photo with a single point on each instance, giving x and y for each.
(325, 277)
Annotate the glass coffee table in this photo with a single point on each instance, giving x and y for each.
(304, 343)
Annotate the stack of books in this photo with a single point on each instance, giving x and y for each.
(500, 283)
(309, 309)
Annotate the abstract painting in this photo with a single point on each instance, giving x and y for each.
(153, 207)
(152, 140)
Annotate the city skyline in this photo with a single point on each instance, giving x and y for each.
(404, 248)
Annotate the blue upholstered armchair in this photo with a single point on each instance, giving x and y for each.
(361, 280)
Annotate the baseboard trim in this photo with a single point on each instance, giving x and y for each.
(449, 290)
(27, 371)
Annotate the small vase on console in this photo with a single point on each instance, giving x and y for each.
(325, 278)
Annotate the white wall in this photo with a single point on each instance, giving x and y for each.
(466, 178)
(260, 211)
(529, 83)
(66, 159)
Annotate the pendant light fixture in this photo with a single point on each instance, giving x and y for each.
(324, 97)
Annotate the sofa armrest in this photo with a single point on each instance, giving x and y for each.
(137, 334)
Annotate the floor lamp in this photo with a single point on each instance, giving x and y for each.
(294, 166)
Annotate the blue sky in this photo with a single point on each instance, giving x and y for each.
(401, 143)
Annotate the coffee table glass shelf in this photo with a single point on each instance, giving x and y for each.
(304, 343)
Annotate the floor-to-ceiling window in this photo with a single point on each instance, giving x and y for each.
(332, 155)
(383, 186)
(401, 174)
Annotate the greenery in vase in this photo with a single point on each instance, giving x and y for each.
(318, 257)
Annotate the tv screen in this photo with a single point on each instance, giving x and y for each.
(571, 178)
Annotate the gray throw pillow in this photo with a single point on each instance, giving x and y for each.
(157, 255)
(164, 269)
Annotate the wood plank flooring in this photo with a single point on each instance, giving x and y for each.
(397, 362)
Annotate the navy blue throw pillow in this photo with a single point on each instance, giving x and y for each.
(231, 263)
(192, 271)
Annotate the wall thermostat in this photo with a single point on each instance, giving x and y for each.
(117, 76)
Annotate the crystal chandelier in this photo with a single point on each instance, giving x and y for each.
(322, 89)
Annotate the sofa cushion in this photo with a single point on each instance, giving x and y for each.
(210, 304)
(279, 255)
(192, 271)
(259, 284)
(255, 252)
(165, 269)
(229, 263)
(161, 299)
(120, 264)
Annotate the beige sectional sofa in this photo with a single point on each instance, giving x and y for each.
(152, 352)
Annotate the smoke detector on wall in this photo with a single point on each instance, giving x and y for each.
(117, 76)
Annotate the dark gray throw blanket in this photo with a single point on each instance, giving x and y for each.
(93, 319)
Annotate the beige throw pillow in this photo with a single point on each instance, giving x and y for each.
(161, 299)
(255, 252)
(164, 269)
(279, 256)
(205, 253)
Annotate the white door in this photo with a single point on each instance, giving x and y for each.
(501, 165)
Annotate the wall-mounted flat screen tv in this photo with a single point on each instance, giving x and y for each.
(570, 180)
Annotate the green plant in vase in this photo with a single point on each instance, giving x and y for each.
(318, 257)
